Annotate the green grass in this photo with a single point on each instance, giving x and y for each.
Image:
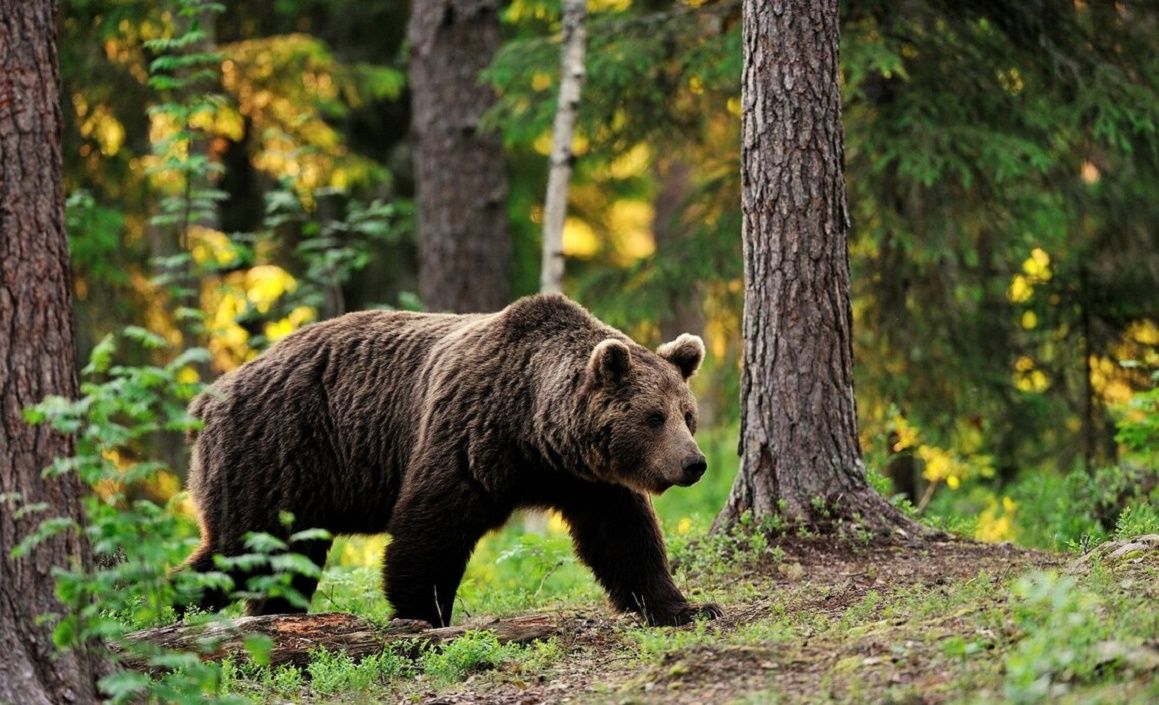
(1003, 632)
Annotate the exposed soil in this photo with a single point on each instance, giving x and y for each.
(874, 660)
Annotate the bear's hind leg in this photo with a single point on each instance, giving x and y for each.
(303, 584)
(432, 537)
(210, 599)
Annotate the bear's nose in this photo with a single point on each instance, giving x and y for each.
(694, 468)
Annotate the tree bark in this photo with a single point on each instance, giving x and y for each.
(571, 77)
(800, 455)
(465, 245)
(36, 360)
(294, 636)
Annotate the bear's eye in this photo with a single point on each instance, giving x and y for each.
(688, 419)
(656, 420)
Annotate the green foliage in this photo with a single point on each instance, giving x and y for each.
(335, 672)
(1138, 425)
(1062, 512)
(514, 571)
(470, 653)
(186, 70)
(973, 246)
(135, 539)
(351, 588)
(285, 681)
(328, 674)
(1062, 629)
(636, 63)
(1137, 520)
(94, 237)
(139, 539)
(333, 249)
(1075, 510)
(654, 644)
(1002, 167)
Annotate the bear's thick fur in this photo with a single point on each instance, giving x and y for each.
(435, 427)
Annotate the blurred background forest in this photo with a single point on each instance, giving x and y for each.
(238, 171)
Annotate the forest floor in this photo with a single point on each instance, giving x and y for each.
(952, 621)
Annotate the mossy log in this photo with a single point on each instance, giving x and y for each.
(294, 636)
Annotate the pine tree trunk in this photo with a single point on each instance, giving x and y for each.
(799, 448)
(571, 78)
(36, 360)
(465, 246)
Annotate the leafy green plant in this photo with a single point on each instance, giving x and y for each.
(1138, 427)
(139, 539)
(655, 644)
(334, 248)
(1060, 512)
(243, 678)
(515, 570)
(1137, 520)
(1062, 628)
(352, 588)
(94, 237)
(333, 672)
(285, 681)
(186, 73)
(472, 652)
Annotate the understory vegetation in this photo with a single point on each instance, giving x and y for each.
(943, 623)
(236, 171)
(943, 620)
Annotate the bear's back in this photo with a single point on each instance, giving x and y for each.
(324, 418)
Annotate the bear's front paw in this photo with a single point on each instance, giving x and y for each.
(684, 614)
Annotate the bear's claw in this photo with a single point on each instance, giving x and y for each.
(687, 614)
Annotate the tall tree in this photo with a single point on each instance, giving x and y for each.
(571, 76)
(465, 253)
(799, 448)
(36, 360)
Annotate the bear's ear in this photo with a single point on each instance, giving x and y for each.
(610, 361)
(686, 352)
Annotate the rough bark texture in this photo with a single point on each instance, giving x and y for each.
(555, 203)
(799, 444)
(465, 248)
(294, 636)
(36, 359)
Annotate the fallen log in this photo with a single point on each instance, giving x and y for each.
(294, 636)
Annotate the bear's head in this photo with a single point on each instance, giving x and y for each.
(642, 414)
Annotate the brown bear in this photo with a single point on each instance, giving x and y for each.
(434, 428)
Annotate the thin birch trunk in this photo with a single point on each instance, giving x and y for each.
(555, 202)
(563, 131)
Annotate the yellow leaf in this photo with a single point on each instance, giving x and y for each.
(1020, 289)
(541, 81)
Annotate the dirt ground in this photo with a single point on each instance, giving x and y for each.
(838, 640)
